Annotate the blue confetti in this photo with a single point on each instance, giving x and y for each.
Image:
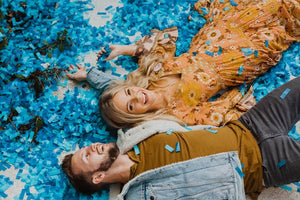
(225, 9)
(298, 189)
(169, 131)
(240, 70)
(177, 148)
(70, 115)
(242, 165)
(212, 131)
(232, 3)
(285, 93)
(267, 43)
(136, 150)
(187, 128)
(280, 164)
(285, 187)
(209, 53)
(208, 42)
(297, 183)
(169, 148)
(109, 7)
(205, 11)
(240, 172)
(256, 53)
(220, 50)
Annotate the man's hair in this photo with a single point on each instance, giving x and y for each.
(81, 182)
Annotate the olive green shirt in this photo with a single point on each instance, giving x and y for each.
(232, 137)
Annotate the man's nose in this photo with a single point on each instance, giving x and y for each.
(92, 147)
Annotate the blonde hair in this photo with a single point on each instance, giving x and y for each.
(141, 78)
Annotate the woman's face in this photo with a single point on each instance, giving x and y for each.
(137, 100)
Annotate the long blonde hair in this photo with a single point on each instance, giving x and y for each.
(141, 78)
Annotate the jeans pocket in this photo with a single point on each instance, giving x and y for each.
(186, 192)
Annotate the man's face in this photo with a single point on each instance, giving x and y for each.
(96, 157)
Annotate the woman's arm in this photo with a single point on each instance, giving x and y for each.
(98, 79)
(160, 43)
(214, 113)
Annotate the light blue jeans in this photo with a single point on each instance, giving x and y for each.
(211, 177)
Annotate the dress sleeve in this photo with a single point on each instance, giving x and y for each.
(230, 106)
(160, 43)
(203, 8)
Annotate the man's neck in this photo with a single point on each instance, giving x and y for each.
(119, 172)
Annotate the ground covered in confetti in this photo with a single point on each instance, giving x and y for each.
(38, 41)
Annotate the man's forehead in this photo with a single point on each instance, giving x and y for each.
(76, 162)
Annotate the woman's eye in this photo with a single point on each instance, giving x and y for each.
(130, 107)
(128, 92)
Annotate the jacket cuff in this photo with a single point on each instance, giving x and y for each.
(99, 80)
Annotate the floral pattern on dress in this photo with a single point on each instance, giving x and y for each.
(240, 41)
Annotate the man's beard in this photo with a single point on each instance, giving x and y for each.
(113, 153)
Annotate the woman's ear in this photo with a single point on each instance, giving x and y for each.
(98, 177)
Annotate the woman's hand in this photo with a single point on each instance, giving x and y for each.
(79, 75)
(117, 50)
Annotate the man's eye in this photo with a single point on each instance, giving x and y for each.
(128, 92)
(130, 107)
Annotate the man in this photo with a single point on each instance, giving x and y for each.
(260, 137)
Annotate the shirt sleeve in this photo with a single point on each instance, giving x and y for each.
(100, 80)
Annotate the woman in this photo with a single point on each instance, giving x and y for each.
(239, 42)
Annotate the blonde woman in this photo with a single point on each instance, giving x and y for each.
(239, 42)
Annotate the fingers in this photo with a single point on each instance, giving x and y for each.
(70, 76)
(79, 66)
(102, 51)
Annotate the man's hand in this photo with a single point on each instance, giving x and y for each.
(79, 75)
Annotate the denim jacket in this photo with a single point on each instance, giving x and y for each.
(212, 177)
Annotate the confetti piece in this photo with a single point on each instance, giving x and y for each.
(212, 131)
(220, 50)
(194, 53)
(169, 131)
(256, 53)
(205, 11)
(169, 148)
(285, 93)
(136, 150)
(177, 148)
(242, 165)
(285, 187)
(225, 9)
(208, 42)
(280, 164)
(187, 128)
(297, 183)
(267, 43)
(240, 70)
(240, 172)
(298, 190)
(232, 3)
(209, 53)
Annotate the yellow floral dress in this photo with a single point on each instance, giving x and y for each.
(239, 42)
